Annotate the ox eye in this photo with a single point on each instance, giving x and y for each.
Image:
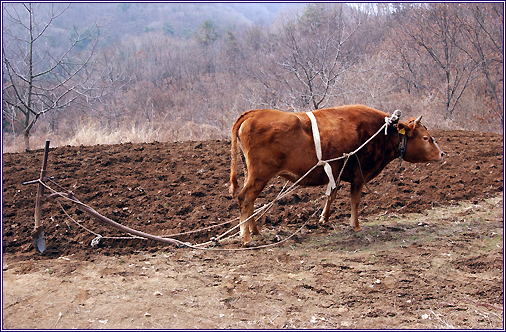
(425, 138)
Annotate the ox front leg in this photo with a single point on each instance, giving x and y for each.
(356, 193)
(324, 218)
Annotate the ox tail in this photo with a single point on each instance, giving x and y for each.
(235, 151)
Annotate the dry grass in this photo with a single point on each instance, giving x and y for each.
(142, 122)
(92, 133)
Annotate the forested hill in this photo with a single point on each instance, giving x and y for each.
(106, 73)
(120, 20)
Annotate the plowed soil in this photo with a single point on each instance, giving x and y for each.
(429, 255)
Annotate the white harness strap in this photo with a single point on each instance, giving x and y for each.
(318, 147)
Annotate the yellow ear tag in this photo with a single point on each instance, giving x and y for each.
(402, 131)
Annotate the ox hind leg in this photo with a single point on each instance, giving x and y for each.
(252, 189)
(356, 193)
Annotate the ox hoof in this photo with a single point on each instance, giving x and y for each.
(250, 244)
(357, 228)
(322, 220)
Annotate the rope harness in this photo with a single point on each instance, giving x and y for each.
(318, 147)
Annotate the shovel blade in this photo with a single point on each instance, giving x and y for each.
(39, 241)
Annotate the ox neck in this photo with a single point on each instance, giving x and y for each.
(402, 145)
(402, 140)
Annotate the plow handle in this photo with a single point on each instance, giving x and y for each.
(40, 192)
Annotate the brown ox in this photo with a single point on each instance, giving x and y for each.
(280, 143)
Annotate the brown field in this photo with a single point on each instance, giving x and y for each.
(429, 255)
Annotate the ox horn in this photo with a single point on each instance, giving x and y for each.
(418, 120)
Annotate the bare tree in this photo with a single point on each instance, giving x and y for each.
(370, 83)
(409, 66)
(314, 53)
(435, 30)
(483, 43)
(42, 70)
(207, 37)
(307, 54)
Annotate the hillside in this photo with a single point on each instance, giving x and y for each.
(121, 20)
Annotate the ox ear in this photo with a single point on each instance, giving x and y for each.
(404, 129)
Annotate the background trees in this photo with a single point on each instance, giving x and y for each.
(313, 51)
(187, 74)
(483, 33)
(41, 77)
(440, 52)
(435, 31)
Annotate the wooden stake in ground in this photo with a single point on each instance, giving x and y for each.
(38, 232)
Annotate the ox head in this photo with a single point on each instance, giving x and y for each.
(420, 146)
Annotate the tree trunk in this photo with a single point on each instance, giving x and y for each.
(26, 137)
